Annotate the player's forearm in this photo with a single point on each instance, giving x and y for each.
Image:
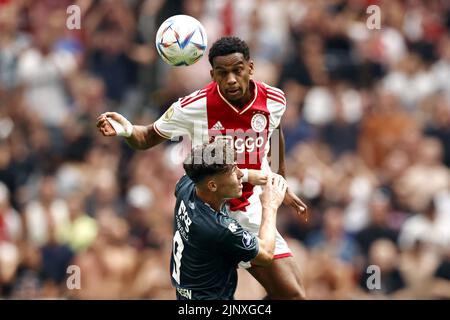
(267, 234)
(138, 138)
(144, 137)
(255, 177)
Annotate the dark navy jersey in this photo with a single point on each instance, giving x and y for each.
(206, 248)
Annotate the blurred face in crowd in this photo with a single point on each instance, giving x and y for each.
(383, 253)
(430, 151)
(48, 189)
(232, 73)
(333, 222)
(379, 209)
(8, 18)
(4, 197)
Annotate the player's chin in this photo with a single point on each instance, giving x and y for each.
(238, 193)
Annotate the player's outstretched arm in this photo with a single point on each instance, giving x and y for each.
(144, 137)
(271, 199)
(138, 137)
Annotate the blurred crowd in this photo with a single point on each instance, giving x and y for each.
(367, 133)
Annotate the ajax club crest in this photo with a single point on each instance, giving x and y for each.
(259, 122)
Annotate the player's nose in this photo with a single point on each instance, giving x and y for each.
(231, 80)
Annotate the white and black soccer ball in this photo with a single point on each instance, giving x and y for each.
(181, 40)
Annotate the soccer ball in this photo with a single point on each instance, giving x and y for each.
(181, 40)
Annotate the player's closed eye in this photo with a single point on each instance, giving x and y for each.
(222, 73)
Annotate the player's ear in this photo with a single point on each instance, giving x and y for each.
(211, 72)
(251, 67)
(212, 186)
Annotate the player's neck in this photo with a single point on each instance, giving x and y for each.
(210, 199)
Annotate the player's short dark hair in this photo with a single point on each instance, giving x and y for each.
(208, 160)
(228, 45)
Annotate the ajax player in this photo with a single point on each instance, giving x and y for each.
(246, 113)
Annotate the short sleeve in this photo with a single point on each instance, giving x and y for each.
(183, 117)
(236, 242)
(276, 112)
(276, 104)
(173, 123)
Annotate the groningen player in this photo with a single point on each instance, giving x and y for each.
(245, 113)
(208, 244)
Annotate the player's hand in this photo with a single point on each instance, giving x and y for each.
(274, 191)
(114, 124)
(257, 177)
(295, 202)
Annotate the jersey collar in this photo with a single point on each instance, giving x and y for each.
(246, 107)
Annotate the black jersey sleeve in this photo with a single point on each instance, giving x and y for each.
(237, 243)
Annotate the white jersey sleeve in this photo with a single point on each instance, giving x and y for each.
(276, 104)
(276, 112)
(182, 117)
(173, 123)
